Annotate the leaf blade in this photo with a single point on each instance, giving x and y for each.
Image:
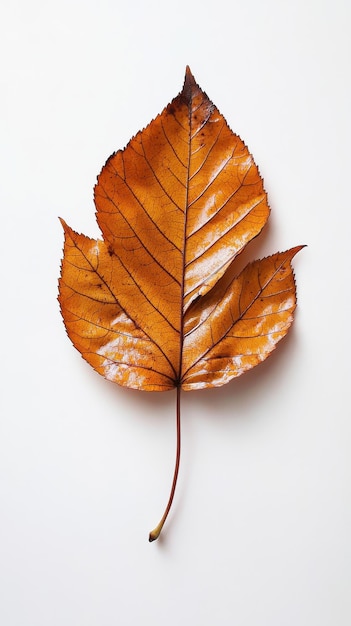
(175, 207)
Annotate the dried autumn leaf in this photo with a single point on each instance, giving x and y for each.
(146, 306)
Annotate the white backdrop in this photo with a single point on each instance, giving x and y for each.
(260, 529)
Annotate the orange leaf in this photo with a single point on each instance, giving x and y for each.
(146, 306)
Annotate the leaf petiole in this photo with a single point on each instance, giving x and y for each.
(155, 533)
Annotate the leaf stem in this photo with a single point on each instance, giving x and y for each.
(154, 534)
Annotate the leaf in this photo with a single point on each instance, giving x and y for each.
(149, 306)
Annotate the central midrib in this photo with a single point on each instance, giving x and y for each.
(182, 286)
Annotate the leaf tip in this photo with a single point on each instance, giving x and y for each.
(63, 224)
(189, 84)
(188, 73)
(297, 249)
